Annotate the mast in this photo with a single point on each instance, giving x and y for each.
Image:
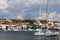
(40, 9)
(39, 13)
(47, 10)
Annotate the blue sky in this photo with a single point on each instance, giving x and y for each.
(25, 9)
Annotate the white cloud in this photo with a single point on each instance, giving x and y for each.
(58, 16)
(26, 2)
(3, 4)
(19, 17)
(50, 16)
(42, 16)
(34, 2)
(21, 6)
(58, 1)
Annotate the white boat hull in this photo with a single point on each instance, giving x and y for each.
(51, 33)
(48, 33)
(39, 33)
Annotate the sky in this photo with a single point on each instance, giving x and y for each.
(27, 9)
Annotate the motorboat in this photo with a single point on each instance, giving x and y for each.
(39, 32)
(51, 33)
(46, 32)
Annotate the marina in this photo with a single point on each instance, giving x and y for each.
(47, 29)
(29, 20)
(38, 31)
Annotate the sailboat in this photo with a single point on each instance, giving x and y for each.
(50, 32)
(39, 31)
(46, 32)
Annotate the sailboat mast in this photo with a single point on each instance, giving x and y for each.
(39, 17)
(47, 10)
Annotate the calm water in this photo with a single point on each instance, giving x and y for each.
(24, 36)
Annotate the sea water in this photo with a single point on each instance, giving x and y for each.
(24, 35)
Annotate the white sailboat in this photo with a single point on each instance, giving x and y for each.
(46, 32)
(39, 32)
(51, 33)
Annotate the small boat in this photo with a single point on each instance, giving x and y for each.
(42, 32)
(39, 32)
(51, 33)
(17, 29)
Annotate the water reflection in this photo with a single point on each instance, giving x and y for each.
(46, 38)
(24, 36)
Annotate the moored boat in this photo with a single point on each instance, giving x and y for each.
(39, 32)
(46, 33)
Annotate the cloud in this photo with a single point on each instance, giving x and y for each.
(3, 4)
(26, 3)
(58, 17)
(30, 2)
(51, 16)
(19, 17)
(30, 8)
(42, 16)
